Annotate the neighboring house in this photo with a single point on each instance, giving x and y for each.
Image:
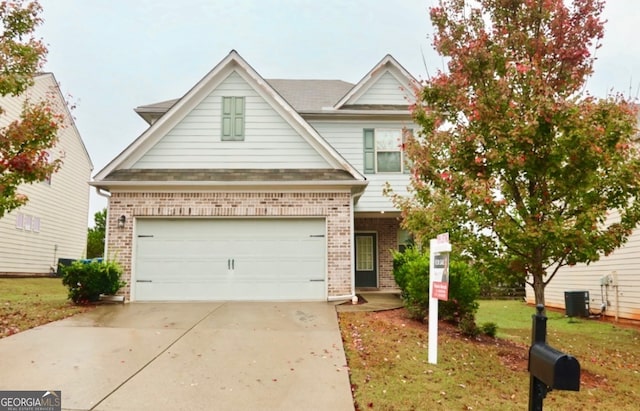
(53, 223)
(613, 281)
(255, 189)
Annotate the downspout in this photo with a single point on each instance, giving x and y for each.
(106, 195)
(352, 296)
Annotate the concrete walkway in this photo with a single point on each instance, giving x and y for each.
(373, 301)
(186, 356)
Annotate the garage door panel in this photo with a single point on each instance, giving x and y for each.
(171, 291)
(236, 259)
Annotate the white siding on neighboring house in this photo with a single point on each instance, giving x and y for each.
(386, 90)
(54, 221)
(622, 264)
(348, 139)
(269, 141)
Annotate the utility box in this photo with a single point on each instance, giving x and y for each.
(576, 303)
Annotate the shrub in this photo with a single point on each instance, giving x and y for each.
(86, 280)
(467, 325)
(490, 329)
(411, 273)
(464, 291)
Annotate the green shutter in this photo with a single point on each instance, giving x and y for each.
(369, 151)
(227, 118)
(238, 117)
(232, 118)
(407, 163)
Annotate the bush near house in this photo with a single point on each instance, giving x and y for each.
(411, 272)
(86, 280)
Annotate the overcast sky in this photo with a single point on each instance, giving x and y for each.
(113, 55)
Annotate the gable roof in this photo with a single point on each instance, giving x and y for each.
(387, 65)
(178, 109)
(322, 96)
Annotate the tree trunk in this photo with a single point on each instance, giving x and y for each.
(538, 289)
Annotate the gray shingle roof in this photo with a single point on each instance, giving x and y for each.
(303, 95)
(239, 175)
(311, 95)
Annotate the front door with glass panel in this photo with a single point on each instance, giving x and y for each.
(366, 260)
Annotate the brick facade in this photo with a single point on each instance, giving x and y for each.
(335, 207)
(387, 235)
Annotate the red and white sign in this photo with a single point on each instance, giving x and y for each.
(442, 238)
(440, 291)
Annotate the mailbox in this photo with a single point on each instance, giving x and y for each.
(557, 370)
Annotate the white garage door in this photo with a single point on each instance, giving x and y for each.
(230, 259)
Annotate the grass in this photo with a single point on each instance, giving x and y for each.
(387, 356)
(29, 302)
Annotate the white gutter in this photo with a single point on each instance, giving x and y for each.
(354, 298)
(228, 183)
(101, 192)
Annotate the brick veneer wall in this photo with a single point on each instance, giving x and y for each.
(335, 207)
(387, 230)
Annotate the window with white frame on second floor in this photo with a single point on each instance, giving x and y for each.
(384, 150)
(232, 119)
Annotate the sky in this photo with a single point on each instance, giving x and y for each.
(111, 56)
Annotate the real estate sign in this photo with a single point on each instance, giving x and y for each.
(440, 285)
(439, 249)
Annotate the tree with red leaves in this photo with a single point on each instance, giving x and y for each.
(25, 142)
(526, 171)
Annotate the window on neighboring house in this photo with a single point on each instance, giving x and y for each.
(35, 225)
(232, 118)
(19, 221)
(27, 223)
(384, 150)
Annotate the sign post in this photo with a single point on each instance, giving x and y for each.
(439, 249)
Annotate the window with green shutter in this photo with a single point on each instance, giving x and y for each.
(384, 150)
(232, 118)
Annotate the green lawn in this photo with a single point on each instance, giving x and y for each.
(387, 356)
(29, 302)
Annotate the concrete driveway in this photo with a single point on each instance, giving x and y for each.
(186, 356)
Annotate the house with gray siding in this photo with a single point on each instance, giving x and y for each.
(248, 188)
(609, 286)
(53, 223)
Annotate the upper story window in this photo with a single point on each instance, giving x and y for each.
(384, 150)
(232, 119)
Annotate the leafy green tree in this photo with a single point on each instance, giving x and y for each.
(526, 171)
(24, 142)
(96, 235)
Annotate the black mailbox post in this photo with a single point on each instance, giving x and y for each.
(549, 368)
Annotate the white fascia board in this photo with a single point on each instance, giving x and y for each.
(216, 184)
(388, 63)
(332, 114)
(301, 187)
